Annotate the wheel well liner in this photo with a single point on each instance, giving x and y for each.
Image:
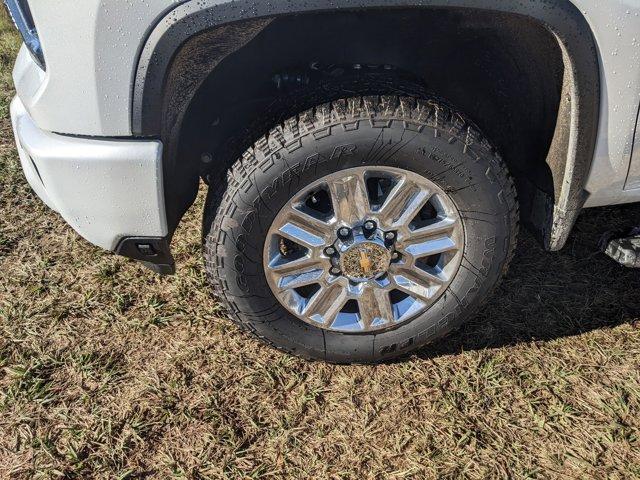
(225, 28)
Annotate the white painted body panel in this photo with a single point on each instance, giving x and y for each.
(91, 50)
(105, 189)
(616, 28)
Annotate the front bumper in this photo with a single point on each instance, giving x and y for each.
(108, 190)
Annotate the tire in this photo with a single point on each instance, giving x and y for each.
(417, 135)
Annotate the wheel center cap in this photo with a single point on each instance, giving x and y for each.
(365, 260)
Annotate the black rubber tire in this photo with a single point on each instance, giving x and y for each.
(414, 134)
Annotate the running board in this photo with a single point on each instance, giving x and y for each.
(623, 247)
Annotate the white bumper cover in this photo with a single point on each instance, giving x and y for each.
(105, 189)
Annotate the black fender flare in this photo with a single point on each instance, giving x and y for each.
(574, 140)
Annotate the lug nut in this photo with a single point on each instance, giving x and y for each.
(334, 271)
(395, 256)
(330, 251)
(369, 225)
(344, 232)
(390, 235)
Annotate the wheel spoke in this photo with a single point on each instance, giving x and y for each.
(327, 302)
(411, 284)
(431, 247)
(431, 278)
(301, 279)
(301, 236)
(303, 228)
(442, 225)
(281, 265)
(350, 198)
(314, 225)
(413, 207)
(403, 204)
(375, 308)
(396, 200)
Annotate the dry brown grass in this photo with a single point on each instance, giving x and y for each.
(107, 371)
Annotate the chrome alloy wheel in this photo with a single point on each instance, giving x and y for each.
(364, 249)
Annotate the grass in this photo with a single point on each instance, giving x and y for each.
(107, 371)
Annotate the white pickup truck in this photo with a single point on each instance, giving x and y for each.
(368, 162)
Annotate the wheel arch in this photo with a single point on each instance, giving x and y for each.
(208, 32)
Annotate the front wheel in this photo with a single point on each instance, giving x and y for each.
(361, 230)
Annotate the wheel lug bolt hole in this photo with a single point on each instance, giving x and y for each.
(344, 233)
